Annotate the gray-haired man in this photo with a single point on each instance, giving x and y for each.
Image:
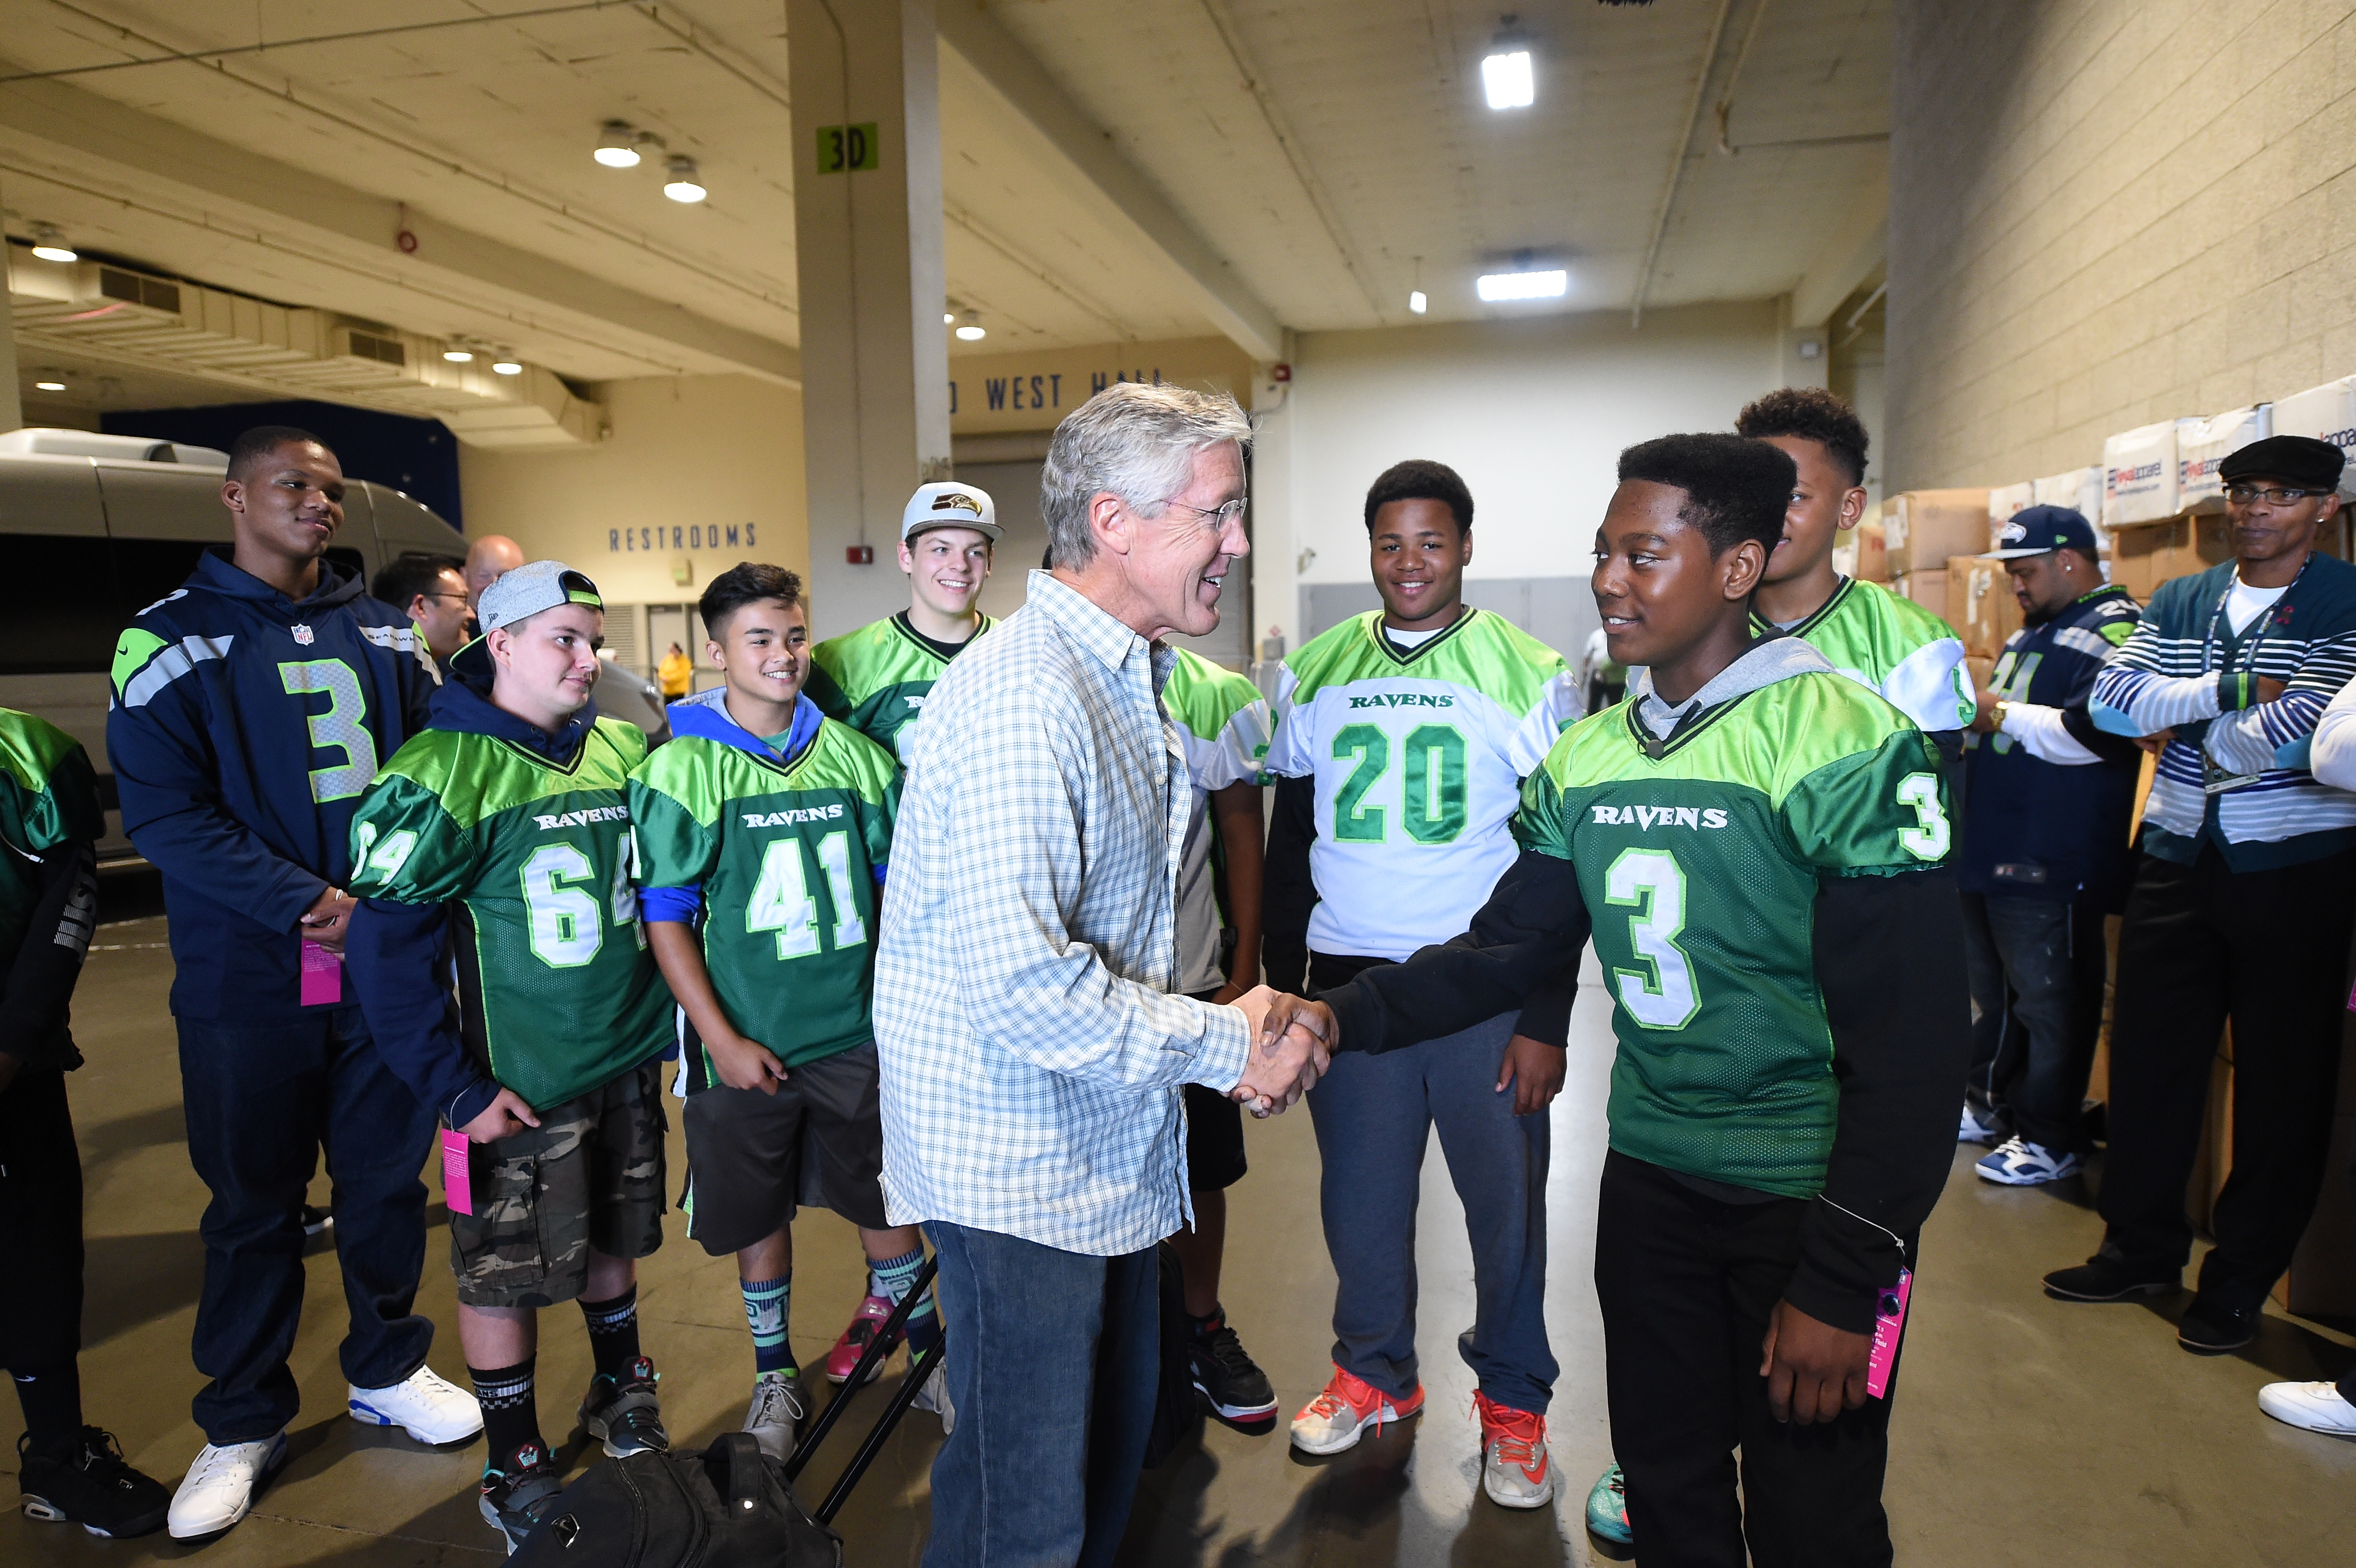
(1032, 1048)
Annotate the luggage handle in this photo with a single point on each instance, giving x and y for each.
(902, 1397)
(747, 1481)
(877, 1348)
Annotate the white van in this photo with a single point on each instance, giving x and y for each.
(94, 528)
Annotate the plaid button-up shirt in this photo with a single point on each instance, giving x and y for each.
(1032, 1051)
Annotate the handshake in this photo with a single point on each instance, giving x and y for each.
(1293, 1044)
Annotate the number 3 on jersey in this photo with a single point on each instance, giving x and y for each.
(1654, 884)
(781, 900)
(1928, 838)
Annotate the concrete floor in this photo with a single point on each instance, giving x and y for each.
(2033, 1433)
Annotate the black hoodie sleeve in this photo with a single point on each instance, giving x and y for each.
(396, 955)
(40, 981)
(1287, 894)
(1534, 923)
(1889, 964)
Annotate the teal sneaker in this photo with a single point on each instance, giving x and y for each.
(1607, 1516)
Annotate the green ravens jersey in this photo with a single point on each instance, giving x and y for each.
(48, 796)
(875, 679)
(1223, 719)
(1892, 646)
(787, 855)
(559, 993)
(1419, 756)
(1698, 858)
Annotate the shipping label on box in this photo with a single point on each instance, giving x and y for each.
(1922, 527)
(2003, 502)
(2139, 475)
(2326, 413)
(2202, 445)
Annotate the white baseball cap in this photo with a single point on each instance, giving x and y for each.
(949, 504)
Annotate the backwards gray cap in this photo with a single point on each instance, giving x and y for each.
(531, 588)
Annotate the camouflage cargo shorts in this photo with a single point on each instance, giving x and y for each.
(591, 1175)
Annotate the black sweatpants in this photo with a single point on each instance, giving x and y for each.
(2268, 949)
(1686, 1284)
(40, 1224)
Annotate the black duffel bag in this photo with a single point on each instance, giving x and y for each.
(723, 1507)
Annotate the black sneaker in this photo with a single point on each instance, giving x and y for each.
(624, 1415)
(2212, 1328)
(1234, 1389)
(317, 1221)
(2105, 1279)
(519, 1493)
(87, 1482)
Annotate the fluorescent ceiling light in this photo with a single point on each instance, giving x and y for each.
(459, 355)
(507, 366)
(971, 333)
(1506, 77)
(1547, 285)
(683, 185)
(48, 386)
(55, 253)
(1416, 302)
(949, 318)
(50, 246)
(617, 145)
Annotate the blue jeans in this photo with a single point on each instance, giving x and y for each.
(1053, 1366)
(2036, 968)
(1374, 1117)
(263, 1100)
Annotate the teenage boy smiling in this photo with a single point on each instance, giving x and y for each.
(756, 811)
(1777, 1125)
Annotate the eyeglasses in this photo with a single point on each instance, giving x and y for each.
(459, 597)
(2243, 494)
(1219, 518)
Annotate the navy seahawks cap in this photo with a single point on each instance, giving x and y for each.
(2037, 531)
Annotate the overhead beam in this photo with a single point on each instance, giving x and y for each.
(1856, 246)
(1001, 60)
(84, 125)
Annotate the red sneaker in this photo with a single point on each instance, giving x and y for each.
(1337, 1418)
(1516, 1470)
(843, 1359)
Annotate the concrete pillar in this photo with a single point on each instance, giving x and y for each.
(12, 391)
(867, 220)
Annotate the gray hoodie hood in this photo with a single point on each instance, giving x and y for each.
(1778, 658)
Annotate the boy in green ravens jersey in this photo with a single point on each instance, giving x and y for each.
(1760, 851)
(763, 830)
(1411, 728)
(1888, 644)
(502, 831)
(874, 679)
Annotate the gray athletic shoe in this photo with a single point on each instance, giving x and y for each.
(625, 1415)
(934, 1396)
(780, 1407)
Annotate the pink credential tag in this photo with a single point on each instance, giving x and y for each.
(458, 1184)
(1889, 1324)
(323, 975)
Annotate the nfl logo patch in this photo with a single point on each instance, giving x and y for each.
(303, 635)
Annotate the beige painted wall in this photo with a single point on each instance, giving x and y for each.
(710, 464)
(2108, 212)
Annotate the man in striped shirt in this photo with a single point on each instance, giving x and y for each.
(2243, 901)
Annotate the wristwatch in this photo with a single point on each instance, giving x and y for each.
(2000, 705)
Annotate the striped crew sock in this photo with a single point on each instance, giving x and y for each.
(613, 1333)
(764, 1314)
(892, 1279)
(510, 1412)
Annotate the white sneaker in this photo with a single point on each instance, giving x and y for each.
(427, 1407)
(219, 1488)
(2318, 1407)
(1979, 1127)
(1516, 1471)
(776, 1416)
(2017, 1162)
(934, 1396)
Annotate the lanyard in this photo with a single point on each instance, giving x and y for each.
(2265, 622)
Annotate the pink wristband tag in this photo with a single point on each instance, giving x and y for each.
(323, 975)
(1888, 1323)
(457, 1185)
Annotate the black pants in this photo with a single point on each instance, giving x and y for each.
(2200, 945)
(2036, 967)
(1686, 1282)
(263, 1101)
(40, 1224)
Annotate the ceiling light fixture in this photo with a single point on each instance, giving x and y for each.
(1546, 285)
(48, 386)
(617, 145)
(683, 185)
(949, 318)
(1505, 74)
(1416, 302)
(505, 363)
(458, 354)
(50, 246)
(972, 331)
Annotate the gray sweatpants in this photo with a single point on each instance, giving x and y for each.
(1374, 1117)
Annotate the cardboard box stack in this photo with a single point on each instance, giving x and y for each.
(2003, 502)
(2203, 444)
(1979, 592)
(2139, 475)
(1872, 550)
(2147, 554)
(2327, 413)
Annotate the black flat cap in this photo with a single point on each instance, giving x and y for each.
(2300, 460)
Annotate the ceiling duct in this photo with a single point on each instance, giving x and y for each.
(105, 312)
